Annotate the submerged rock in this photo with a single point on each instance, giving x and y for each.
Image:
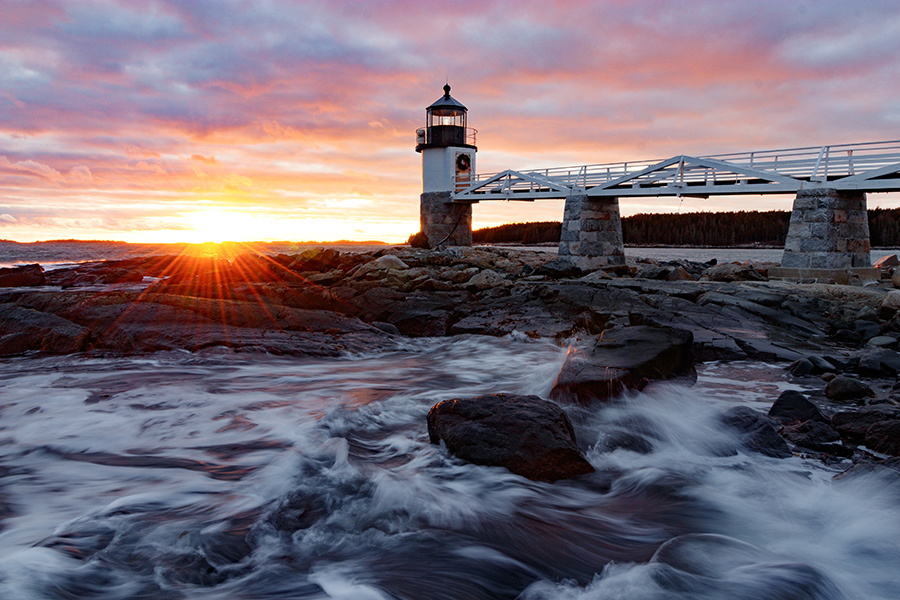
(756, 431)
(815, 436)
(528, 435)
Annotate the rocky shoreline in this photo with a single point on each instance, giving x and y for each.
(626, 327)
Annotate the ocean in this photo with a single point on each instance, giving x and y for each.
(58, 253)
(239, 476)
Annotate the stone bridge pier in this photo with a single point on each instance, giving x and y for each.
(828, 237)
(591, 235)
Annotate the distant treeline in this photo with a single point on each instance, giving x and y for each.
(721, 229)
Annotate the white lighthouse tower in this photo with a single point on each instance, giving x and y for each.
(448, 164)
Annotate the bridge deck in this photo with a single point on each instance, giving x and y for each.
(869, 167)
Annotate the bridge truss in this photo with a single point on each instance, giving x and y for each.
(868, 167)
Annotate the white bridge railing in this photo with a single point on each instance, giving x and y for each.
(873, 166)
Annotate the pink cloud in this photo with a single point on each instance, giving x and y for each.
(150, 102)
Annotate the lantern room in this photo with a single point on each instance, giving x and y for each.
(447, 146)
(445, 125)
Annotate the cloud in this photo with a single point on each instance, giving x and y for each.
(209, 160)
(285, 105)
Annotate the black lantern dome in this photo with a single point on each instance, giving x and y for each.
(445, 125)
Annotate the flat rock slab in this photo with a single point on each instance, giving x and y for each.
(528, 435)
(624, 358)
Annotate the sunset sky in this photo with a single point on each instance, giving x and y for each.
(201, 120)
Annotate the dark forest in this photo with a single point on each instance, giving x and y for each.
(703, 229)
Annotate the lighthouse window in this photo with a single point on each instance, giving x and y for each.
(447, 118)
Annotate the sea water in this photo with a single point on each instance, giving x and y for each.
(55, 254)
(247, 476)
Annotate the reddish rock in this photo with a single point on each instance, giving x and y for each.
(24, 329)
(884, 437)
(26, 275)
(889, 260)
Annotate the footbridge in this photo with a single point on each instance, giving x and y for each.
(828, 230)
(867, 167)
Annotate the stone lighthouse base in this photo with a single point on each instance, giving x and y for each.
(443, 222)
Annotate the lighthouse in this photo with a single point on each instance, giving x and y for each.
(448, 152)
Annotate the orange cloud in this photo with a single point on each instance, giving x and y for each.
(151, 111)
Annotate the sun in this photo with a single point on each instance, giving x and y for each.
(217, 225)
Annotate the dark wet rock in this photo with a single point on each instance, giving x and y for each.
(824, 364)
(847, 388)
(890, 304)
(867, 329)
(653, 272)
(24, 276)
(623, 358)
(879, 363)
(679, 274)
(756, 431)
(529, 436)
(815, 436)
(734, 272)
(24, 329)
(559, 269)
(801, 366)
(792, 405)
(852, 425)
(883, 341)
(884, 437)
(867, 313)
(847, 336)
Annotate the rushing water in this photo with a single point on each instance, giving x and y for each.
(240, 476)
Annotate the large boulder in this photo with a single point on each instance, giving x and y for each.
(528, 435)
(847, 388)
(792, 405)
(26, 275)
(625, 358)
